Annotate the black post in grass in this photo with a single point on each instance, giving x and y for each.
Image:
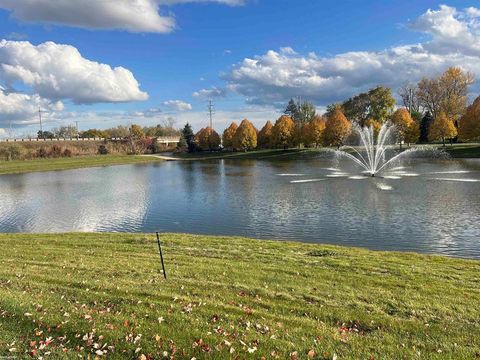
(161, 256)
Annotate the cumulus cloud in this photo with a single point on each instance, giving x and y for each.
(17, 109)
(177, 105)
(134, 16)
(277, 76)
(211, 93)
(56, 72)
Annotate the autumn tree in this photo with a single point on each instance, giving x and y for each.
(447, 93)
(313, 132)
(337, 129)
(136, 132)
(228, 135)
(469, 124)
(207, 139)
(265, 137)
(374, 124)
(442, 128)
(246, 136)
(407, 129)
(283, 132)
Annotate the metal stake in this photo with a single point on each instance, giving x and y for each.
(161, 256)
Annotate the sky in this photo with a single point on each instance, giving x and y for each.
(118, 62)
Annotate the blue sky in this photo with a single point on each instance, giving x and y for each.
(254, 53)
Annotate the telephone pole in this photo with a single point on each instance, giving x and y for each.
(40, 118)
(211, 111)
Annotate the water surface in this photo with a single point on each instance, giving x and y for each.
(431, 207)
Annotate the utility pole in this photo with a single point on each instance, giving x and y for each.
(76, 123)
(40, 118)
(211, 111)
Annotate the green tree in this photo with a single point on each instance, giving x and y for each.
(378, 103)
(292, 109)
(427, 119)
(189, 137)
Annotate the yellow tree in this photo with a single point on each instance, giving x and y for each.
(313, 132)
(413, 133)
(406, 126)
(246, 136)
(207, 139)
(283, 132)
(376, 125)
(265, 136)
(469, 124)
(442, 128)
(228, 135)
(136, 132)
(337, 128)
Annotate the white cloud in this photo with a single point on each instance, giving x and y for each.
(130, 15)
(17, 109)
(212, 93)
(277, 76)
(57, 72)
(177, 105)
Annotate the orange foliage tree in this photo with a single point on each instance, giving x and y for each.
(313, 132)
(265, 139)
(283, 132)
(207, 139)
(337, 128)
(246, 136)
(408, 130)
(228, 135)
(469, 124)
(442, 128)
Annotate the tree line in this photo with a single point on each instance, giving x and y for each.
(434, 109)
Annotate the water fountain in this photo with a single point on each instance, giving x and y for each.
(372, 155)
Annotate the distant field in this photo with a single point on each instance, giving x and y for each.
(79, 295)
(65, 163)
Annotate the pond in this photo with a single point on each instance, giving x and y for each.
(427, 206)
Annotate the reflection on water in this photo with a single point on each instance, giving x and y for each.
(425, 207)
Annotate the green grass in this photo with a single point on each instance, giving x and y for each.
(254, 154)
(64, 163)
(229, 297)
(464, 150)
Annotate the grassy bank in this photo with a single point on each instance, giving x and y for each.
(65, 163)
(79, 294)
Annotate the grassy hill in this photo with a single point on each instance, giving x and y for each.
(227, 297)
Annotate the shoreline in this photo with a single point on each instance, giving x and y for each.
(458, 151)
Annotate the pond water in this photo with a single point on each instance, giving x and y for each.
(427, 206)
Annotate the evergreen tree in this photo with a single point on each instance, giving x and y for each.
(292, 109)
(189, 137)
(425, 127)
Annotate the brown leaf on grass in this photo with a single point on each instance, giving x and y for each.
(311, 354)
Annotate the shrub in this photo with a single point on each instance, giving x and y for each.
(67, 153)
(102, 150)
(11, 152)
(42, 153)
(56, 151)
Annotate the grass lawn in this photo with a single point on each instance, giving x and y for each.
(226, 297)
(64, 163)
(464, 150)
(254, 154)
